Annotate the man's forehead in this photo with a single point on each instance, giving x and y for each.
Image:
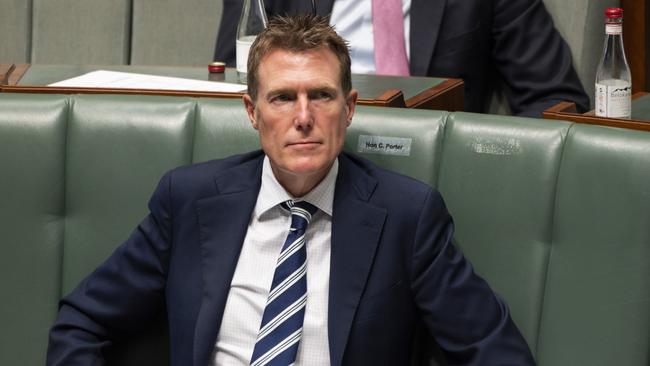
(280, 66)
(317, 52)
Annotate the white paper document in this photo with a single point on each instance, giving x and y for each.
(126, 80)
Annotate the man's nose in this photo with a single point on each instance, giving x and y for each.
(304, 117)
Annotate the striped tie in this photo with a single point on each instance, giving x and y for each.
(281, 328)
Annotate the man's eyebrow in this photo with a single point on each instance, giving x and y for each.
(291, 91)
(278, 91)
(323, 87)
(328, 89)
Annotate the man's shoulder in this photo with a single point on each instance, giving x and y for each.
(386, 180)
(199, 179)
(212, 168)
(400, 195)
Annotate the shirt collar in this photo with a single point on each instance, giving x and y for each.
(272, 193)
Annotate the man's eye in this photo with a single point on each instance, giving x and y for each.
(280, 98)
(323, 95)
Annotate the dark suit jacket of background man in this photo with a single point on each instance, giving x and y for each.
(392, 267)
(484, 42)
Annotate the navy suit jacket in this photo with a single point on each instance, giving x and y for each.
(393, 269)
(511, 44)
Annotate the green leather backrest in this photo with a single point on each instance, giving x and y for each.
(597, 302)
(554, 215)
(498, 178)
(117, 149)
(32, 213)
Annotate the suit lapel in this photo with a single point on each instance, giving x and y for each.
(223, 221)
(426, 17)
(356, 230)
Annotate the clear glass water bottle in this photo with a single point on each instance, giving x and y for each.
(252, 21)
(613, 78)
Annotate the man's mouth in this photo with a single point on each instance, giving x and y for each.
(304, 144)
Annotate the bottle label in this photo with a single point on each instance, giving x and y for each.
(243, 45)
(614, 99)
(613, 28)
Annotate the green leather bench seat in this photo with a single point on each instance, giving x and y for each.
(555, 215)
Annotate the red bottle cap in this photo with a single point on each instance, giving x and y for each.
(216, 67)
(614, 13)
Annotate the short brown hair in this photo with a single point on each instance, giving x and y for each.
(296, 34)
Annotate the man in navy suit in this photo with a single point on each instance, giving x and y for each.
(511, 44)
(380, 263)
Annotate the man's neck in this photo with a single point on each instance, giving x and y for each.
(299, 185)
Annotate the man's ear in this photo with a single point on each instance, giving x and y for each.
(250, 109)
(351, 104)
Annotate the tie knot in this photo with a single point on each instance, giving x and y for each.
(301, 213)
(302, 206)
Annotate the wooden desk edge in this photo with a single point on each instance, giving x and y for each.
(390, 98)
(448, 95)
(15, 72)
(70, 90)
(568, 111)
(5, 72)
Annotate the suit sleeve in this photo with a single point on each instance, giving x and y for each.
(468, 321)
(120, 295)
(534, 61)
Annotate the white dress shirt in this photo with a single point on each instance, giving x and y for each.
(352, 19)
(267, 231)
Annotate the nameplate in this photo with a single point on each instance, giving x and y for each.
(384, 145)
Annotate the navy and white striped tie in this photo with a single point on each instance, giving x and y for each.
(281, 328)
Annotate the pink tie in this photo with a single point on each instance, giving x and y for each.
(388, 29)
